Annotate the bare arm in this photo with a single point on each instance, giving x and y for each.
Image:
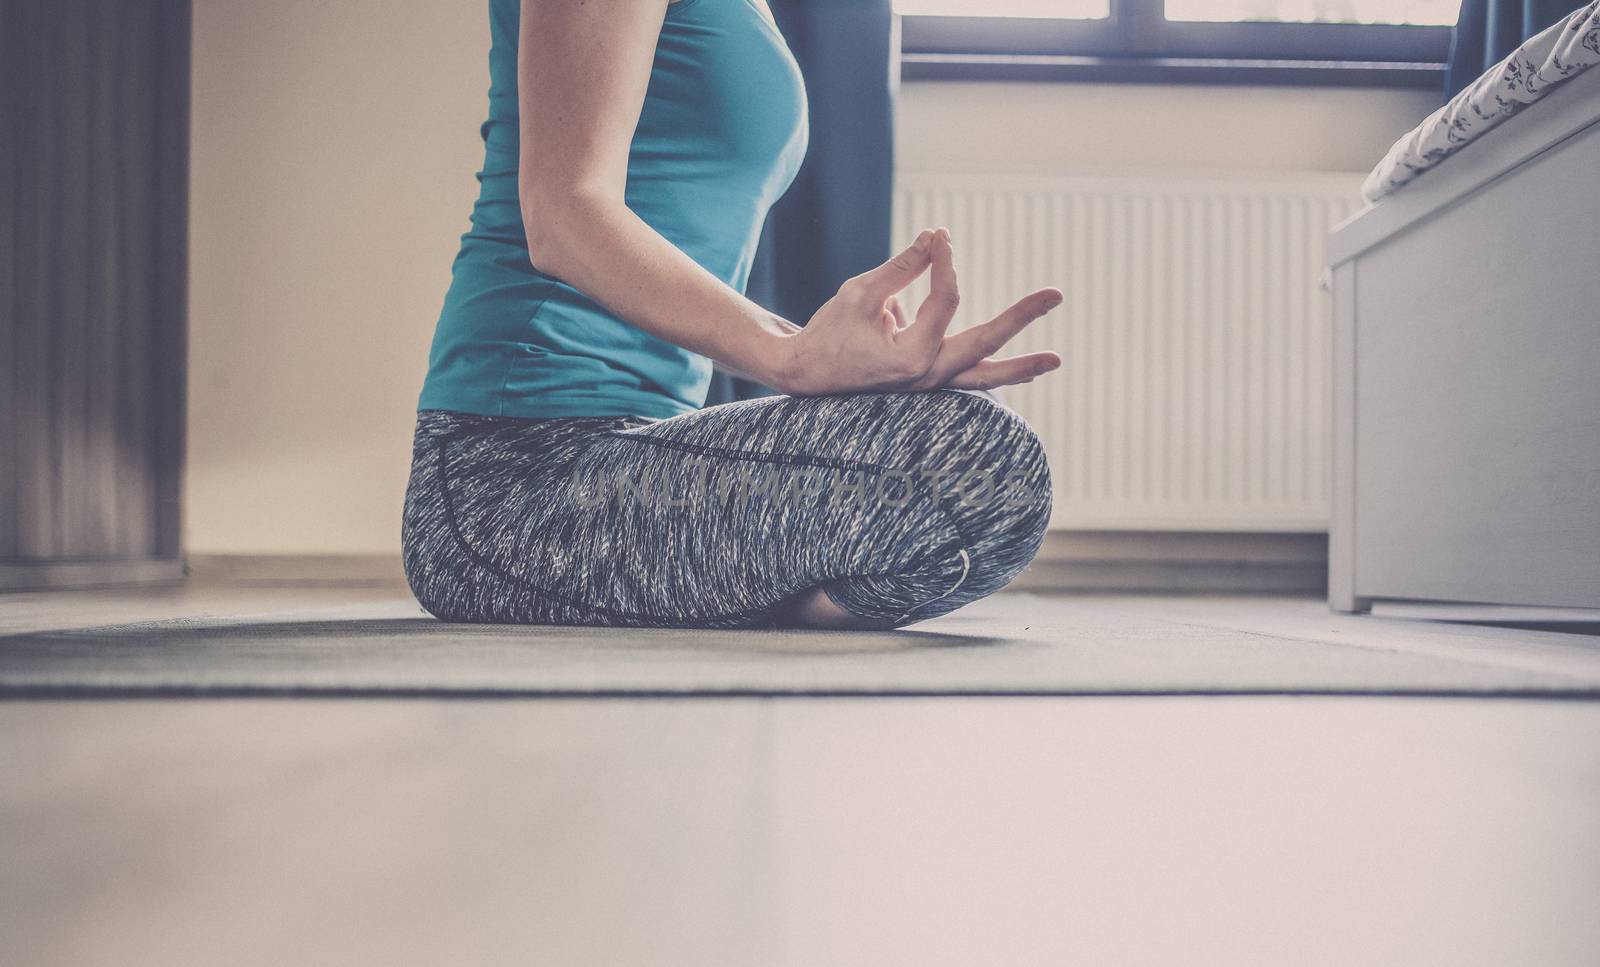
(582, 71)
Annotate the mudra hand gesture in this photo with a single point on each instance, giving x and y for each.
(861, 339)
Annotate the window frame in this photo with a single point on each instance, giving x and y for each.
(1137, 43)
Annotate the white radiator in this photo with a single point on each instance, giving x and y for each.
(1194, 388)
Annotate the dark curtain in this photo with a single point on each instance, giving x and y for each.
(94, 181)
(834, 220)
(1488, 30)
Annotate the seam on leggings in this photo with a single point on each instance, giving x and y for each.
(483, 562)
(966, 570)
(479, 559)
(783, 459)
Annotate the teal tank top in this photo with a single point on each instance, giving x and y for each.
(721, 135)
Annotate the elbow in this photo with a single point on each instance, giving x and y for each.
(555, 218)
(538, 217)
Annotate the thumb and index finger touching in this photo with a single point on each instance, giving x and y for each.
(933, 319)
(901, 270)
(930, 249)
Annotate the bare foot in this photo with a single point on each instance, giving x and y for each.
(814, 609)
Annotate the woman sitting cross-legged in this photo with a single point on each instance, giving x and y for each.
(564, 469)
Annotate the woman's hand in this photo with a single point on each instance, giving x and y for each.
(860, 340)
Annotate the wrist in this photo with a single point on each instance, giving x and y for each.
(774, 358)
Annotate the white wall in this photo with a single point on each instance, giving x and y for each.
(1107, 128)
(334, 144)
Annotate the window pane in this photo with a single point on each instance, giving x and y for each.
(1059, 9)
(1318, 11)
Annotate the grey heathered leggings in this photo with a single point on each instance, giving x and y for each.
(901, 506)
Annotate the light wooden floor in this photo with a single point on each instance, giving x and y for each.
(912, 831)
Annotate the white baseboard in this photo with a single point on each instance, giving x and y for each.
(62, 575)
(1216, 562)
(322, 569)
(1179, 561)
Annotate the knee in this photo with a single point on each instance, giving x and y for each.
(1003, 507)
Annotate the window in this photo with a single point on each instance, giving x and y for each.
(1438, 12)
(1036, 9)
(1363, 42)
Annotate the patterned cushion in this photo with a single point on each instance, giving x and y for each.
(1566, 49)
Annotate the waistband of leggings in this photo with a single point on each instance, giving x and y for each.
(433, 422)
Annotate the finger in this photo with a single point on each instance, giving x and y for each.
(899, 313)
(990, 373)
(889, 323)
(938, 310)
(979, 342)
(897, 273)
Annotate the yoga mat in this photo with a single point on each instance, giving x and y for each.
(1022, 644)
